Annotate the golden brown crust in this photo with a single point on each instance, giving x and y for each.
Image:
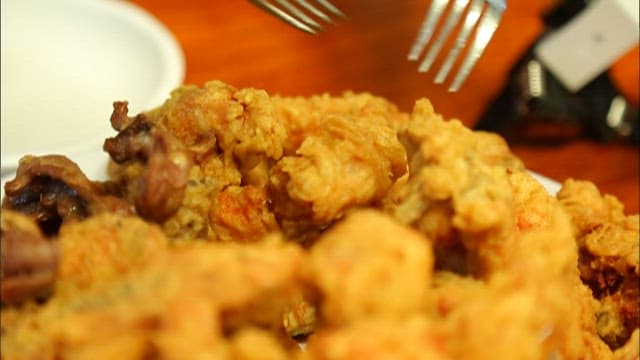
(372, 232)
(609, 247)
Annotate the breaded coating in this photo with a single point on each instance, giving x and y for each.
(608, 242)
(458, 190)
(231, 134)
(256, 344)
(535, 308)
(103, 248)
(241, 213)
(630, 351)
(218, 116)
(265, 221)
(191, 220)
(188, 298)
(370, 265)
(346, 161)
(315, 157)
(340, 152)
(412, 338)
(303, 116)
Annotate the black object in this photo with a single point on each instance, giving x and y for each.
(535, 107)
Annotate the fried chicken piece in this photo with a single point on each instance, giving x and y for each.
(256, 344)
(534, 207)
(630, 350)
(189, 325)
(240, 213)
(198, 297)
(608, 242)
(158, 187)
(238, 124)
(374, 338)
(341, 152)
(105, 248)
(232, 136)
(206, 180)
(458, 191)
(533, 308)
(28, 260)
(223, 118)
(316, 158)
(370, 265)
(304, 116)
(53, 190)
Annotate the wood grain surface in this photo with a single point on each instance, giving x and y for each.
(236, 42)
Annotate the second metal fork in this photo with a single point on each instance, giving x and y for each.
(484, 19)
(300, 15)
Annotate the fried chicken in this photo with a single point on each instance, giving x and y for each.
(160, 164)
(376, 338)
(236, 222)
(457, 192)
(608, 242)
(309, 159)
(241, 213)
(370, 265)
(342, 152)
(533, 308)
(138, 297)
(228, 133)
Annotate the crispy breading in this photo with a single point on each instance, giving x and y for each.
(219, 116)
(630, 351)
(410, 338)
(105, 247)
(317, 157)
(370, 232)
(189, 297)
(303, 116)
(341, 152)
(370, 265)
(256, 344)
(457, 192)
(534, 308)
(241, 213)
(609, 247)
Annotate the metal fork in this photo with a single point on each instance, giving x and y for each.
(483, 16)
(298, 18)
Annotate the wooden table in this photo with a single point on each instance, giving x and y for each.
(235, 42)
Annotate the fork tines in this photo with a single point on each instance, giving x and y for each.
(300, 13)
(482, 16)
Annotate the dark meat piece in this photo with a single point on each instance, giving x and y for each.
(119, 117)
(159, 189)
(615, 284)
(52, 189)
(29, 261)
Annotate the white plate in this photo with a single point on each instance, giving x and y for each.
(550, 185)
(64, 62)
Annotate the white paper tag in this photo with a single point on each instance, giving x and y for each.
(591, 42)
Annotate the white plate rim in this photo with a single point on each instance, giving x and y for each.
(165, 43)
